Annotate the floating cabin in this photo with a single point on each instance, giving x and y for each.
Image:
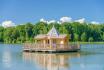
(51, 42)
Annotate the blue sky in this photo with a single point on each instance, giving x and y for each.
(21, 11)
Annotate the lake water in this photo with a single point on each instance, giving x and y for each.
(91, 57)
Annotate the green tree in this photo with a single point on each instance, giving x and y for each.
(1, 34)
(76, 37)
(90, 39)
(22, 33)
(8, 35)
(76, 31)
(83, 37)
(102, 36)
(28, 29)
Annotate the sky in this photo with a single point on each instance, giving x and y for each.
(22, 11)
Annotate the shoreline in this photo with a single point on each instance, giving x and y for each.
(87, 42)
(69, 42)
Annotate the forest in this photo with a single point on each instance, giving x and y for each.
(77, 32)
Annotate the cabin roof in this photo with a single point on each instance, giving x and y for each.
(44, 36)
(53, 33)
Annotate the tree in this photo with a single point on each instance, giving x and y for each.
(90, 39)
(76, 37)
(14, 35)
(102, 36)
(1, 34)
(40, 28)
(63, 30)
(83, 37)
(8, 35)
(28, 29)
(22, 33)
(76, 31)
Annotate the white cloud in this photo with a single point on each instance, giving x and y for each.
(48, 22)
(65, 19)
(82, 20)
(51, 21)
(43, 20)
(94, 22)
(8, 23)
(58, 22)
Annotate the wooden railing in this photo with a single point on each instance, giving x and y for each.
(37, 46)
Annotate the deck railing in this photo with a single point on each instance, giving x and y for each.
(37, 46)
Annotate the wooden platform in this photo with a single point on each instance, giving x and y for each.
(29, 47)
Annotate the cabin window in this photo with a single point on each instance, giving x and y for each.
(62, 42)
(48, 41)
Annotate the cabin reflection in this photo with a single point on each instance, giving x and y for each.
(50, 61)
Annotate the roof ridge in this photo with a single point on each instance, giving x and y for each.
(53, 32)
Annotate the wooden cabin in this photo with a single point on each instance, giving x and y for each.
(51, 42)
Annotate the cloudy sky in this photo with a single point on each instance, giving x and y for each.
(21, 11)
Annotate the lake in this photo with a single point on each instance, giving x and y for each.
(91, 57)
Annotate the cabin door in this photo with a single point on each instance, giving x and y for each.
(54, 42)
(47, 41)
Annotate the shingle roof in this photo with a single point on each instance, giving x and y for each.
(53, 32)
(40, 36)
(46, 36)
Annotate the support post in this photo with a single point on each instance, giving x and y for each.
(50, 42)
(44, 42)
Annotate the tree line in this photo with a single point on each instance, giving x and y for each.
(85, 32)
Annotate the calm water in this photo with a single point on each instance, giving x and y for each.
(91, 57)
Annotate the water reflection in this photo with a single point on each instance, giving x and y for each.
(6, 59)
(50, 61)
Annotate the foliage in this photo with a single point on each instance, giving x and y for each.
(83, 37)
(76, 31)
(90, 39)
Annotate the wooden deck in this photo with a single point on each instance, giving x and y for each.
(32, 47)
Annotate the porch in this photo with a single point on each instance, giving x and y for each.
(36, 47)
